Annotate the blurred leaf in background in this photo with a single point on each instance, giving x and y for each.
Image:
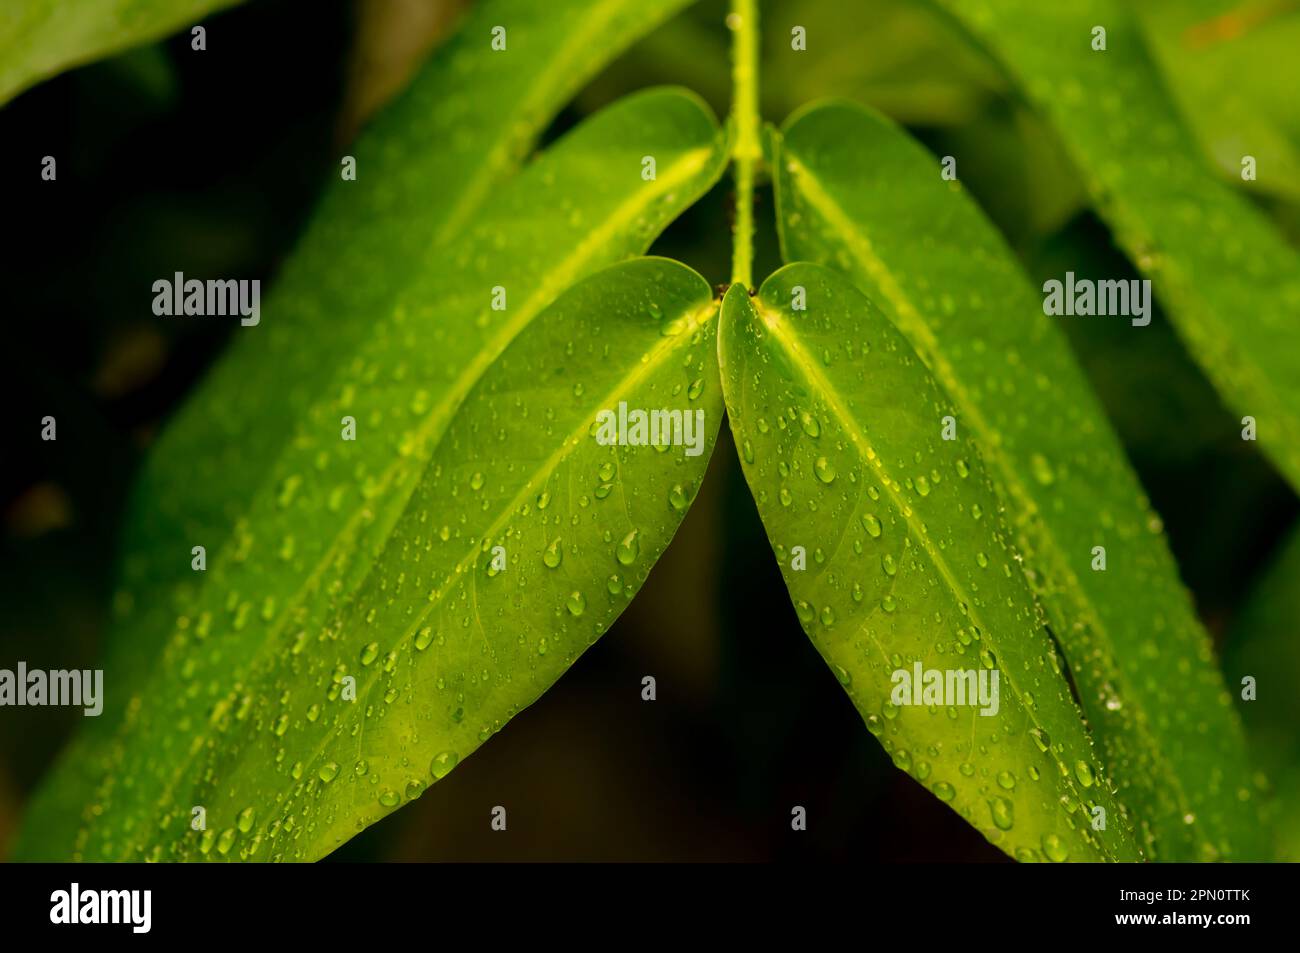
(1262, 665)
(40, 39)
(1220, 60)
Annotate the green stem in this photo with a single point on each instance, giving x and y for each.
(747, 151)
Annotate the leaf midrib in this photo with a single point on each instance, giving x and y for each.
(860, 247)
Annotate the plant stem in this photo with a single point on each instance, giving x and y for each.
(747, 150)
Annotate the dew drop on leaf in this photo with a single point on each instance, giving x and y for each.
(1002, 812)
(628, 548)
(1054, 848)
(442, 764)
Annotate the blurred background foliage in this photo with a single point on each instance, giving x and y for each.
(210, 163)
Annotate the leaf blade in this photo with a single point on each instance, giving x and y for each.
(42, 39)
(1229, 283)
(878, 210)
(817, 383)
(431, 686)
(278, 570)
(428, 164)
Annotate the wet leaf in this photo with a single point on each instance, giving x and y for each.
(855, 192)
(1227, 279)
(292, 541)
(524, 539)
(374, 262)
(908, 564)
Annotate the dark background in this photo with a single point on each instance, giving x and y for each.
(171, 160)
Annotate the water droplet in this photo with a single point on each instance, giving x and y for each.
(944, 791)
(824, 469)
(577, 603)
(677, 498)
(1054, 848)
(554, 554)
(1084, 773)
(1002, 812)
(628, 549)
(442, 764)
(871, 524)
(1041, 469)
(328, 771)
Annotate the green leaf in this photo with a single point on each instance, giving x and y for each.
(378, 249)
(1262, 645)
(1228, 281)
(1221, 58)
(443, 644)
(855, 192)
(304, 533)
(42, 38)
(908, 562)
